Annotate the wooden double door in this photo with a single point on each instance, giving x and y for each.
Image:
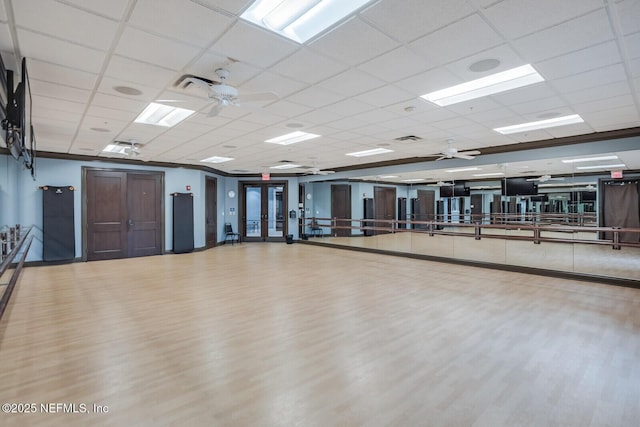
(123, 214)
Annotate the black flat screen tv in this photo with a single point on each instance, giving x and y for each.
(456, 190)
(518, 187)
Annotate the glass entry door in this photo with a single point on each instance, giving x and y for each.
(264, 211)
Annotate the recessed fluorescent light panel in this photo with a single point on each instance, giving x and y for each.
(114, 149)
(217, 159)
(300, 20)
(292, 138)
(163, 115)
(373, 152)
(388, 176)
(413, 180)
(541, 124)
(590, 159)
(602, 167)
(462, 170)
(286, 166)
(489, 85)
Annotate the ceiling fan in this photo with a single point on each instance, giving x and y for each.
(545, 178)
(314, 170)
(451, 152)
(444, 184)
(220, 93)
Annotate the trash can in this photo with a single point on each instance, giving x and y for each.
(289, 239)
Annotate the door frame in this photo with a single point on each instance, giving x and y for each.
(242, 185)
(85, 170)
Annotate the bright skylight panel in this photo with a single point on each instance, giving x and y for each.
(489, 85)
(300, 20)
(372, 152)
(292, 138)
(541, 124)
(163, 115)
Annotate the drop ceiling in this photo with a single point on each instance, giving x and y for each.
(357, 84)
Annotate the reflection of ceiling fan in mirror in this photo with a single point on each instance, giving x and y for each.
(314, 170)
(545, 178)
(451, 152)
(220, 93)
(444, 184)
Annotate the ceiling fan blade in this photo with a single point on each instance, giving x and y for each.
(200, 84)
(441, 158)
(533, 179)
(470, 152)
(556, 179)
(215, 110)
(463, 156)
(259, 97)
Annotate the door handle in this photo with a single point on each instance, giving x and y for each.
(130, 223)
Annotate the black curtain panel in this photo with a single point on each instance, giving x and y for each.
(621, 209)
(182, 222)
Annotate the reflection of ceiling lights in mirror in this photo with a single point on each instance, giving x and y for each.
(540, 124)
(590, 159)
(216, 159)
(292, 138)
(414, 180)
(616, 166)
(300, 20)
(489, 174)
(489, 85)
(388, 176)
(372, 152)
(462, 170)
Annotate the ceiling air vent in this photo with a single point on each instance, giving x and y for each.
(408, 138)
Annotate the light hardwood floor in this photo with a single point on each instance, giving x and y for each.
(302, 335)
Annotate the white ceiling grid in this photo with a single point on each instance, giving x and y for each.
(358, 84)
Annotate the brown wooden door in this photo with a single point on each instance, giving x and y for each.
(123, 214)
(144, 225)
(476, 208)
(106, 204)
(341, 208)
(211, 203)
(426, 207)
(384, 206)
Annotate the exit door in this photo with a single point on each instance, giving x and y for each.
(264, 211)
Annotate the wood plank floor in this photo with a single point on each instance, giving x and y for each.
(302, 335)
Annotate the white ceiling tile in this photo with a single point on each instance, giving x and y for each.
(115, 126)
(118, 103)
(354, 42)
(82, 27)
(604, 104)
(54, 114)
(348, 123)
(287, 108)
(598, 92)
(525, 94)
(542, 106)
(460, 39)
(580, 61)
(386, 95)
(349, 107)
(59, 104)
(319, 117)
(415, 18)
(253, 45)
(628, 12)
(108, 85)
(474, 106)
(183, 20)
(147, 47)
(57, 74)
(396, 65)
(134, 71)
(632, 45)
(231, 6)
(6, 41)
(109, 113)
(57, 91)
(315, 97)
(605, 75)
(376, 116)
(3, 12)
(307, 66)
(569, 36)
(352, 82)
(634, 67)
(504, 53)
(621, 118)
(516, 18)
(113, 8)
(436, 79)
(270, 82)
(70, 55)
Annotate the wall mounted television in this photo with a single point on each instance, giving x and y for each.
(20, 135)
(456, 190)
(518, 187)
